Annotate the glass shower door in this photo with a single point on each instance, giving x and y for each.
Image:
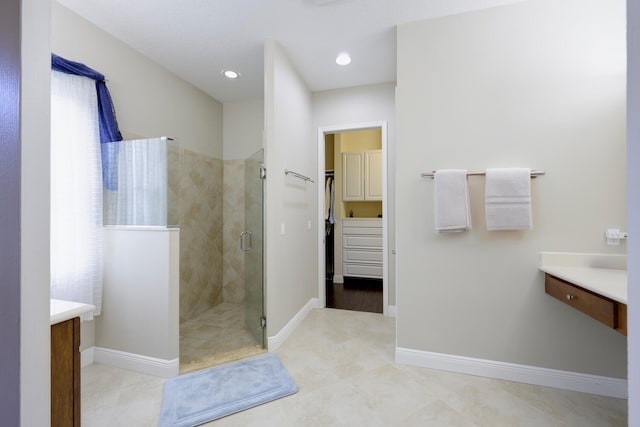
(251, 242)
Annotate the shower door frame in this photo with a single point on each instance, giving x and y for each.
(255, 321)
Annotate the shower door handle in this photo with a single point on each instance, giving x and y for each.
(243, 246)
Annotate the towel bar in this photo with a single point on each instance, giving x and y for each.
(297, 175)
(534, 173)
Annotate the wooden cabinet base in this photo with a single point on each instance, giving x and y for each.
(621, 325)
(611, 313)
(65, 373)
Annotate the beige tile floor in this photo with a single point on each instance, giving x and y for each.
(343, 363)
(217, 336)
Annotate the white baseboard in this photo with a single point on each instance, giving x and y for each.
(86, 357)
(274, 342)
(137, 362)
(338, 278)
(391, 311)
(586, 383)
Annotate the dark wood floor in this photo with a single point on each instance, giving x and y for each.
(357, 294)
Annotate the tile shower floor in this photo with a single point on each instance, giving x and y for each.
(343, 364)
(216, 336)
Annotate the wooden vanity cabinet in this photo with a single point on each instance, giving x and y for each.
(611, 313)
(65, 373)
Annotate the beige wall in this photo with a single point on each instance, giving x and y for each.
(538, 84)
(292, 258)
(368, 139)
(243, 128)
(329, 151)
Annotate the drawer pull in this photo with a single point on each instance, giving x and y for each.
(570, 297)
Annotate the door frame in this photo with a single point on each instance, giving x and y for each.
(322, 131)
(246, 253)
(10, 213)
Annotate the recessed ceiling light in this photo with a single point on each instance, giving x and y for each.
(230, 74)
(343, 59)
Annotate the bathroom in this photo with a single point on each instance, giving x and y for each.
(416, 152)
(530, 315)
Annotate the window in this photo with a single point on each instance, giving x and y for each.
(76, 191)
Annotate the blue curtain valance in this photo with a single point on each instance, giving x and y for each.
(108, 125)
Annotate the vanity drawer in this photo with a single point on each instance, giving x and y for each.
(596, 306)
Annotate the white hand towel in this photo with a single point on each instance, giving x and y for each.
(451, 200)
(508, 199)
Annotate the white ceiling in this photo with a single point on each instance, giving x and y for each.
(196, 39)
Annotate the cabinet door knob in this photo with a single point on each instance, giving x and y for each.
(570, 297)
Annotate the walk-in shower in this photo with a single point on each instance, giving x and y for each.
(211, 308)
(221, 220)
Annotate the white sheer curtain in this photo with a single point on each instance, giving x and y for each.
(141, 196)
(76, 191)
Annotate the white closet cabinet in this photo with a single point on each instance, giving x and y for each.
(362, 247)
(373, 175)
(362, 176)
(352, 176)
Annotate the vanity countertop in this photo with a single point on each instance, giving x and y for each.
(605, 275)
(61, 310)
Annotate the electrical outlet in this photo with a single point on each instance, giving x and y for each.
(613, 236)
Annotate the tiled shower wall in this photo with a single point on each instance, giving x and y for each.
(233, 213)
(211, 220)
(201, 247)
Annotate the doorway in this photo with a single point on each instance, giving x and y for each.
(352, 217)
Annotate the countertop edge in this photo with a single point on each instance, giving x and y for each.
(61, 310)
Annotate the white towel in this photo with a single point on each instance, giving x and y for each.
(508, 199)
(451, 200)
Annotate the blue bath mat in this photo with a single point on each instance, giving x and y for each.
(196, 398)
